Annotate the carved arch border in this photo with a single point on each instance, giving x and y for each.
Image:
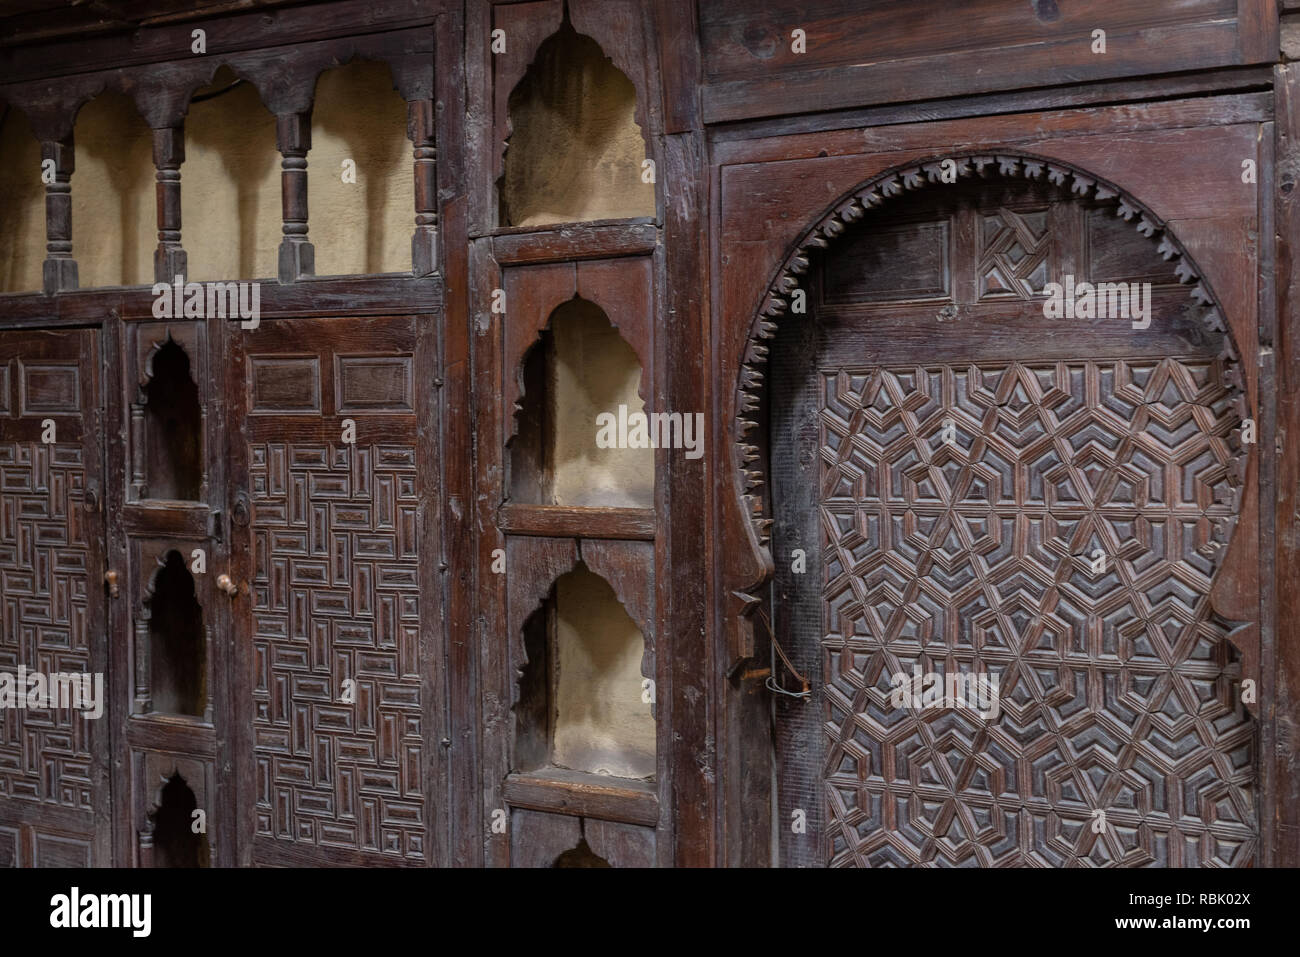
(748, 469)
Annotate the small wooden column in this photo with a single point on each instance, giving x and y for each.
(59, 271)
(293, 139)
(169, 260)
(420, 131)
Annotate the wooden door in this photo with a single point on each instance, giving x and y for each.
(982, 489)
(54, 785)
(339, 690)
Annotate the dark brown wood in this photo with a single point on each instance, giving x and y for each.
(583, 795)
(1281, 660)
(420, 131)
(752, 68)
(293, 140)
(58, 159)
(758, 152)
(559, 521)
(588, 241)
(168, 154)
(57, 766)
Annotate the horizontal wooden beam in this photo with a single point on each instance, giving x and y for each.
(575, 241)
(563, 521)
(584, 795)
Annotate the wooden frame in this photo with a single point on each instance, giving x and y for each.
(756, 152)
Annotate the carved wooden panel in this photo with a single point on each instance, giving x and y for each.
(1065, 541)
(341, 715)
(51, 612)
(1046, 506)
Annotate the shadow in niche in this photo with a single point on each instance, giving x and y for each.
(173, 428)
(176, 646)
(580, 856)
(174, 842)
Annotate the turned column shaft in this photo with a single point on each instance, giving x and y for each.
(420, 131)
(293, 139)
(169, 259)
(59, 270)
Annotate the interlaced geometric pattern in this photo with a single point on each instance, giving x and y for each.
(964, 511)
(1013, 252)
(44, 571)
(336, 597)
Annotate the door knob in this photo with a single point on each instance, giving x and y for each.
(110, 579)
(227, 586)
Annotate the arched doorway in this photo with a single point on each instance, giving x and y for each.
(1011, 513)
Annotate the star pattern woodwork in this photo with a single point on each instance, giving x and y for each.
(1058, 525)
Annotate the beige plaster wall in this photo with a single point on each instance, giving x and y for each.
(601, 724)
(575, 149)
(114, 209)
(230, 185)
(594, 371)
(366, 226)
(22, 206)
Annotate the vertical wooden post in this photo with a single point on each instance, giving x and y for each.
(143, 703)
(420, 131)
(1280, 652)
(60, 269)
(293, 139)
(169, 259)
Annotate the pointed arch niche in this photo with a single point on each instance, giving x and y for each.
(579, 368)
(171, 643)
(167, 423)
(169, 839)
(582, 694)
(575, 150)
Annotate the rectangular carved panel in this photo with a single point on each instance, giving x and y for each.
(285, 385)
(340, 717)
(374, 383)
(50, 387)
(51, 615)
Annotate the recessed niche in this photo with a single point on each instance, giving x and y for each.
(579, 368)
(173, 427)
(177, 649)
(361, 173)
(22, 197)
(174, 842)
(230, 183)
(575, 150)
(114, 209)
(580, 693)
